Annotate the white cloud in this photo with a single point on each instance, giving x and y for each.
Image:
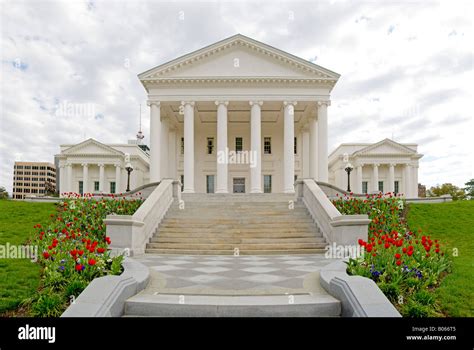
(406, 69)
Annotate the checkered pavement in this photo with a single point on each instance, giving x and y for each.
(234, 275)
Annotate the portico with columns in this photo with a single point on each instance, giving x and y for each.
(93, 167)
(238, 95)
(385, 166)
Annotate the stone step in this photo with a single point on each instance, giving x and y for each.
(269, 245)
(173, 305)
(237, 212)
(224, 224)
(238, 197)
(236, 234)
(237, 221)
(232, 252)
(235, 229)
(236, 240)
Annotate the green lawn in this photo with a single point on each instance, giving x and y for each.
(453, 223)
(19, 278)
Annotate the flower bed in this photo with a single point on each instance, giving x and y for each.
(406, 265)
(73, 249)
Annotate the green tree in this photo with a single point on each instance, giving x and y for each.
(469, 189)
(454, 191)
(3, 193)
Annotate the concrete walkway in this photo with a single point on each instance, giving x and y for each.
(234, 275)
(229, 286)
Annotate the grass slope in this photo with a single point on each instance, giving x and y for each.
(452, 223)
(19, 278)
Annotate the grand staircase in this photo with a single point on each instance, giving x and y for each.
(237, 224)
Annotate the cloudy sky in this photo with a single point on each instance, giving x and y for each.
(406, 69)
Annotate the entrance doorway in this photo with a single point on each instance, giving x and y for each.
(239, 184)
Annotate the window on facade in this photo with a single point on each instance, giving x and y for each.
(295, 147)
(295, 178)
(81, 187)
(239, 144)
(182, 145)
(34, 167)
(365, 186)
(42, 168)
(209, 183)
(267, 184)
(34, 190)
(267, 145)
(210, 145)
(381, 186)
(96, 186)
(27, 166)
(396, 186)
(112, 187)
(26, 190)
(182, 183)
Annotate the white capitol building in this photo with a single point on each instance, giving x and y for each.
(238, 116)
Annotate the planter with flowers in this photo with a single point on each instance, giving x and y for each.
(73, 249)
(406, 265)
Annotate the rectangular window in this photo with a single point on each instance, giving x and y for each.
(295, 178)
(365, 186)
(182, 183)
(81, 187)
(381, 186)
(209, 183)
(267, 145)
(182, 145)
(112, 187)
(239, 144)
(295, 147)
(396, 185)
(267, 184)
(210, 145)
(96, 186)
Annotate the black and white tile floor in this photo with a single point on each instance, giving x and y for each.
(234, 275)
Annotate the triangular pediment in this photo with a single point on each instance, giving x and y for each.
(386, 146)
(242, 57)
(90, 147)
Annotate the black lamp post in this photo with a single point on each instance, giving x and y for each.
(129, 169)
(348, 170)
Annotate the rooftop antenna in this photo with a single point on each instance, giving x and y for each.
(140, 135)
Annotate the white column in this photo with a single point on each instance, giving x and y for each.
(62, 178)
(375, 178)
(155, 135)
(69, 187)
(288, 147)
(118, 178)
(323, 140)
(85, 178)
(101, 177)
(391, 178)
(305, 151)
(406, 180)
(415, 180)
(358, 186)
(313, 148)
(188, 147)
(222, 173)
(172, 153)
(164, 142)
(256, 146)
